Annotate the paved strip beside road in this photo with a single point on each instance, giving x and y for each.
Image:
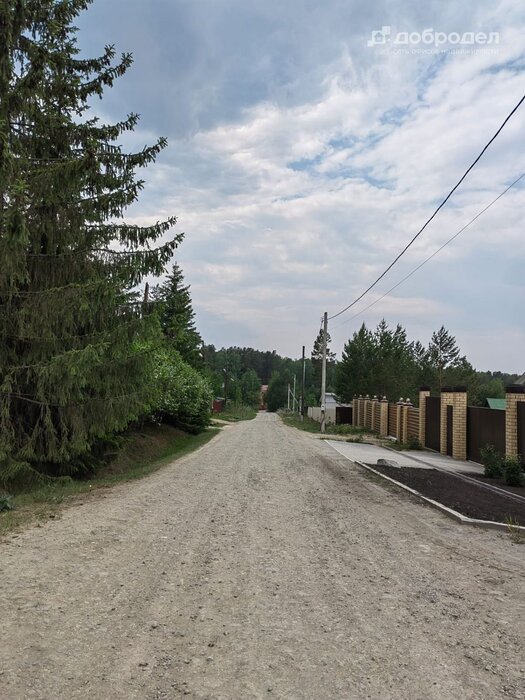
(264, 565)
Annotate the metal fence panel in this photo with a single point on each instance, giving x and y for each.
(433, 422)
(485, 426)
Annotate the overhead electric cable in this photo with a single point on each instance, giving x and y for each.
(433, 215)
(434, 253)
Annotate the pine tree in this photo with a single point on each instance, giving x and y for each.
(443, 353)
(177, 317)
(317, 359)
(74, 340)
(355, 372)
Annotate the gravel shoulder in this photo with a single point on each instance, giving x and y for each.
(263, 565)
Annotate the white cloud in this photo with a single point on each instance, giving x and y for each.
(296, 196)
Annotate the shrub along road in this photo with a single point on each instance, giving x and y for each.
(263, 565)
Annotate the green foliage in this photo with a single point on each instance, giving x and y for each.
(234, 412)
(226, 368)
(177, 318)
(412, 443)
(490, 388)
(184, 397)
(6, 503)
(513, 471)
(317, 363)
(74, 338)
(250, 386)
(277, 395)
(15, 475)
(379, 363)
(384, 363)
(492, 461)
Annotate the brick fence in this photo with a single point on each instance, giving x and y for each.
(454, 421)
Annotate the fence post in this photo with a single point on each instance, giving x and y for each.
(424, 391)
(354, 411)
(404, 434)
(375, 414)
(383, 417)
(457, 398)
(399, 422)
(513, 395)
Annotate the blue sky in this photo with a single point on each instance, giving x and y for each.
(301, 160)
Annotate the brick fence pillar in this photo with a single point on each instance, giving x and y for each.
(375, 414)
(424, 391)
(399, 423)
(383, 416)
(360, 402)
(513, 395)
(457, 398)
(366, 422)
(406, 408)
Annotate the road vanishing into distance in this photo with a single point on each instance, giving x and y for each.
(264, 565)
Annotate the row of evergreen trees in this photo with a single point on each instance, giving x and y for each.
(79, 348)
(384, 362)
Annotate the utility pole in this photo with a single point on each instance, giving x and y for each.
(294, 400)
(302, 387)
(323, 374)
(288, 397)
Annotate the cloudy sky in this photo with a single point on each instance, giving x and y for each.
(302, 159)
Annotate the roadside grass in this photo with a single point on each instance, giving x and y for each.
(143, 453)
(312, 426)
(411, 444)
(236, 412)
(516, 535)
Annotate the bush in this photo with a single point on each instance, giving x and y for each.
(5, 503)
(492, 461)
(184, 397)
(413, 443)
(513, 472)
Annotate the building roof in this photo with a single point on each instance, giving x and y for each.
(520, 380)
(496, 403)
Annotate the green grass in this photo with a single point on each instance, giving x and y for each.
(312, 426)
(412, 444)
(142, 454)
(234, 413)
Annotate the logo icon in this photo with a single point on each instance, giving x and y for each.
(380, 37)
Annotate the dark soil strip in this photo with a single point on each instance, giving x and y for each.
(518, 490)
(465, 497)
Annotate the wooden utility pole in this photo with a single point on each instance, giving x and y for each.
(294, 400)
(323, 374)
(302, 387)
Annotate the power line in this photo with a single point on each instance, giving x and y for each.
(434, 214)
(435, 252)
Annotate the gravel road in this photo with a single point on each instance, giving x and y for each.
(265, 565)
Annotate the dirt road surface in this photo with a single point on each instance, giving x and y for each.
(262, 566)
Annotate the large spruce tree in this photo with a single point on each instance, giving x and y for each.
(74, 340)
